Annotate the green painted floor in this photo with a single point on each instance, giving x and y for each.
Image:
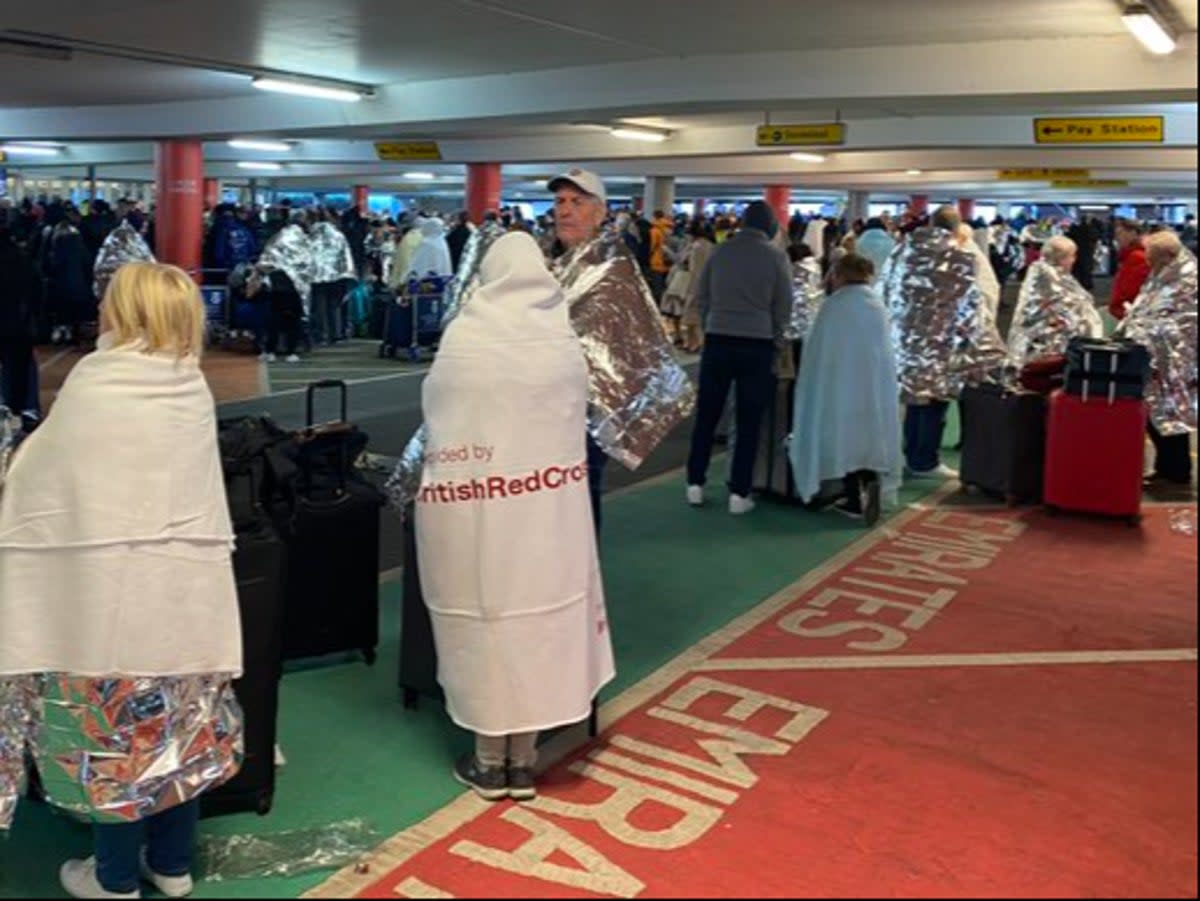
(673, 575)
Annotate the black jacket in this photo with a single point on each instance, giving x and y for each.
(20, 293)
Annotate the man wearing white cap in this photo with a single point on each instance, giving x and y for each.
(637, 390)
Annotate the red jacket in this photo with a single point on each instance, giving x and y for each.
(1132, 272)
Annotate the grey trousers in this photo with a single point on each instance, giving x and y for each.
(517, 750)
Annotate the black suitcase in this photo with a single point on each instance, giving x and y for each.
(330, 523)
(259, 565)
(418, 653)
(1004, 442)
(1110, 368)
(772, 468)
(418, 657)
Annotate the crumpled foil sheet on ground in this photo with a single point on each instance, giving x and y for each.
(638, 391)
(123, 245)
(1182, 521)
(1052, 309)
(808, 292)
(281, 854)
(944, 336)
(19, 699)
(331, 257)
(290, 251)
(1163, 318)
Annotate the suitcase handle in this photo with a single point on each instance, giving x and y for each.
(314, 387)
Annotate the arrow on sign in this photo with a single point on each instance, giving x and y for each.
(1051, 130)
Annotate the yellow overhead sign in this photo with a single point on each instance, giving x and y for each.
(1090, 183)
(810, 135)
(1042, 174)
(1100, 130)
(406, 151)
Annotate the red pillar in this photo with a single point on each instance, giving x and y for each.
(966, 209)
(778, 198)
(179, 210)
(361, 195)
(483, 190)
(918, 204)
(212, 192)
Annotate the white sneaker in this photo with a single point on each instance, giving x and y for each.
(171, 886)
(280, 760)
(695, 495)
(78, 878)
(941, 471)
(292, 358)
(739, 505)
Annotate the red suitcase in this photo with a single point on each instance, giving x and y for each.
(1094, 455)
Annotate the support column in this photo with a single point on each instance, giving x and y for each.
(966, 209)
(360, 197)
(918, 204)
(483, 190)
(179, 180)
(858, 206)
(699, 207)
(779, 198)
(91, 178)
(660, 194)
(212, 192)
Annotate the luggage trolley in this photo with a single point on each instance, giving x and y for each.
(415, 319)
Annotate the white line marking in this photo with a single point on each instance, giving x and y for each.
(363, 381)
(925, 661)
(54, 359)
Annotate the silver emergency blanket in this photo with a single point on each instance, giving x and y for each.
(10, 427)
(1052, 309)
(945, 338)
(808, 292)
(1163, 318)
(638, 391)
(123, 245)
(290, 251)
(331, 257)
(118, 750)
(402, 486)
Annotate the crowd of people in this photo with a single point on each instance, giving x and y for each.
(556, 356)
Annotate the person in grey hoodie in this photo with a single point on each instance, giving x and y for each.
(745, 301)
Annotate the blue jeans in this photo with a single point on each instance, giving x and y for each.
(168, 836)
(747, 365)
(923, 428)
(596, 459)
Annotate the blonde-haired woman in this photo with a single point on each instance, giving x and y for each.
(119, 629)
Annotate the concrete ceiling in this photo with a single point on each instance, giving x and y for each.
(946, 87)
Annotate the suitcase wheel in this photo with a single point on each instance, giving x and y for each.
(263, 807)
(410, 698)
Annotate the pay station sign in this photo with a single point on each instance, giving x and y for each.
(406, 151)
(1042, 174)
(1100, 130)
(810, 135)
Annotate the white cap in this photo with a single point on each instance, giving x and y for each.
(585, 181)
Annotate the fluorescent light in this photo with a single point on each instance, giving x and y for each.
(914, 172)
(261, 167)
(1144, 26)
(808, 157)
(256, 144)
(420, 176)
(31, 149)
(304, 89)
(630, 133)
